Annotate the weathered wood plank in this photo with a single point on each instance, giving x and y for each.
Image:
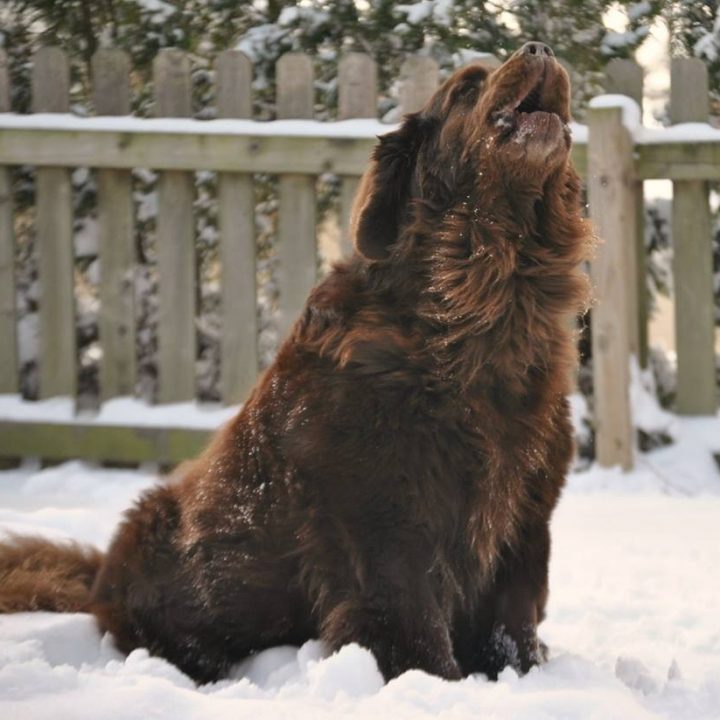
(692, 256)
(679, 160)
(54, 238)
(418, 81)
(239, 152)
(357, 98)
(55, 441)
(111, 82)
(177, 340)
(183, 151)
(296, 232)
(236, 210)
(118, 366)
(4, 82)
(625, 77)
(9, 380)
(612, 209)
(8, 320)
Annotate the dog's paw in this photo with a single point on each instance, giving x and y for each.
(542, 654)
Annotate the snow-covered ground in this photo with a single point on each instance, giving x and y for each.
(633, 621)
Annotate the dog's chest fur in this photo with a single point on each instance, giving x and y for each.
(450, 475)
(357, 421)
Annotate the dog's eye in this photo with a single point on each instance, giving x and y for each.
(467, 92)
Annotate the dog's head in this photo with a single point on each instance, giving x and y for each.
(503, 129)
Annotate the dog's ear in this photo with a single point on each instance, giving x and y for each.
(385, 189)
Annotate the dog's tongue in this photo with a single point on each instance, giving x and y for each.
(534, 124)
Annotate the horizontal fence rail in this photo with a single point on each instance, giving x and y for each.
(281, 146)
(614, 153)
(689, 151)
(110, 443)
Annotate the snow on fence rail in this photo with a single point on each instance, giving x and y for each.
(613, 157)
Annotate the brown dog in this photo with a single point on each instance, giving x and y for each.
(391, 478)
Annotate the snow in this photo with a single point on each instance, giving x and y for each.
(631, 116)
(690, 132)
(707, 46)
(159, 10)
(465, 56)
(579, 412)
(258, 41)
(356, 128)
(681, 133)
(86, 238)
(443, 12)
(118, 411)
(579, 133)
(28, 334)
(632, 619)
(647, 414)
(614, 41)
(418, 12)
(638, 10)
(292, 15)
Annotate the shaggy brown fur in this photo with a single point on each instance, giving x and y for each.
(391, 478)
(37, 574)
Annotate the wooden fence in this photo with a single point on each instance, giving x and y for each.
(615, 162)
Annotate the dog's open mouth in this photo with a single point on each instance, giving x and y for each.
(531, 112)
(531, 102)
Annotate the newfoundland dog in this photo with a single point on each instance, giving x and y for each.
(390, 480)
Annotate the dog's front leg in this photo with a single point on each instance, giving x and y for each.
(403, 630)
(519, 598)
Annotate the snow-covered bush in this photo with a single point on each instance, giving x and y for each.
(451, 31)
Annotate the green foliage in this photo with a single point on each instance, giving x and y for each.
(448, 30)
(695, 32)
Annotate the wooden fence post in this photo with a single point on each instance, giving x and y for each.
(177, 343)
(236, 209)
(625, 77)
(357, 79)
(54, 237)
(612, 210)
(297, 245)
(692, 255)
(9, 379)
(418, 81)
(118, 367)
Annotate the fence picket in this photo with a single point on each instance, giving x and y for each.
(357, 98)
(177, 344)
(54, 238)
(692, 255)
(297, 246)
(118, 366)
(612, 209)
(239, 361)
(9, 381)
(626, 77)
(418, 81)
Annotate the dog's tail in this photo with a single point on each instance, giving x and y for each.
(39, 574)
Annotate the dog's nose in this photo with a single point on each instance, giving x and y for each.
(536, 48)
